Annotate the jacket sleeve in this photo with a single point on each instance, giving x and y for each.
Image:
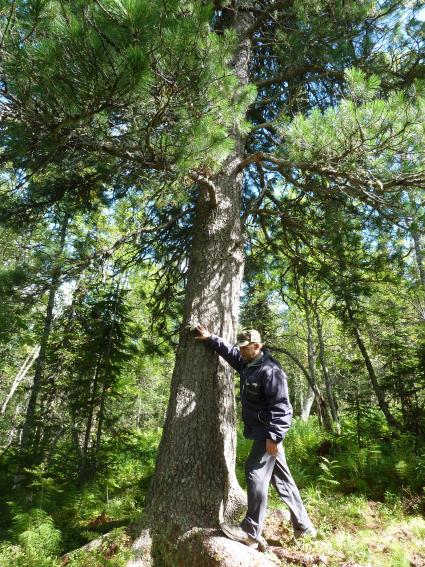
(278, 416)
(230, 353)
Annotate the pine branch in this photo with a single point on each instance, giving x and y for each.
(300, 72)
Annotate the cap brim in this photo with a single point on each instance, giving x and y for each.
(243, 343)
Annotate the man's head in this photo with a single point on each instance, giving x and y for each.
(249, 343)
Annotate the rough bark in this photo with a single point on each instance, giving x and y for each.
(197, 449)
(194, 482)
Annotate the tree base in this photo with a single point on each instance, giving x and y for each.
(199, 547)
(205, 547)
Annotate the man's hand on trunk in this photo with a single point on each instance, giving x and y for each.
(203, 333)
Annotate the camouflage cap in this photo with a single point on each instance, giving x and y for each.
(248, 336)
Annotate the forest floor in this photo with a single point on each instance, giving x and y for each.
(352, 532)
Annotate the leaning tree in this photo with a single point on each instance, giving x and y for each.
(219, 114)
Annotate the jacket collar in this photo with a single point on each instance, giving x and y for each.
(257, 360)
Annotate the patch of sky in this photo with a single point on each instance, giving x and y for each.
(421, 15)
(65, 296)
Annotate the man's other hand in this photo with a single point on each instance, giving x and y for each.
(272, 447)
(203, 333)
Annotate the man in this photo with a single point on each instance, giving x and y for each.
(267, 415)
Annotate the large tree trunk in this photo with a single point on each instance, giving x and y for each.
(194, 475)
(194, 482)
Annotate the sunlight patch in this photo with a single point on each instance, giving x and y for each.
(185, 402)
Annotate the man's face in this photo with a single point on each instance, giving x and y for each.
(250, 351)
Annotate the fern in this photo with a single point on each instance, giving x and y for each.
(327, 478)
(38, 539)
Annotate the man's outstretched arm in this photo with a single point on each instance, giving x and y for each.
(230, 353)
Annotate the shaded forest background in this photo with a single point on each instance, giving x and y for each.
(96, 228)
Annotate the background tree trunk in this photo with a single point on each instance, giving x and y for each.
(307, 403)
(311, 381)
(89, 423)
(419, 255)
(29, 430)
(321, 405)
(22, 374)
(391, 420)
(327, 378)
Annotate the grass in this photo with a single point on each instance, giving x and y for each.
(353, 531)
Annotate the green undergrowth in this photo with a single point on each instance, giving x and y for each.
(381, 468)
(367, 500)
(353, 530)
(57, 513)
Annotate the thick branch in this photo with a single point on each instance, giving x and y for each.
(258, 157)
(299, 72)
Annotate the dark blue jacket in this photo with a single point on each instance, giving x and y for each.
(266, 410)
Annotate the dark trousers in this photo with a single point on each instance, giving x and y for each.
(260, 469)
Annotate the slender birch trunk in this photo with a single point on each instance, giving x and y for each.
(307, 404)
(419, 255)
(20, 377)
(89, 423)
(328, 383)
(321, 405)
